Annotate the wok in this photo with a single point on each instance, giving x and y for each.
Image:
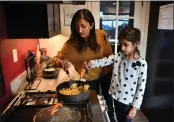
(73, 98)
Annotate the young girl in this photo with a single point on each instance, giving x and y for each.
(129, 74)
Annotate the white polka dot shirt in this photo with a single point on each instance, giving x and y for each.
(128, 78)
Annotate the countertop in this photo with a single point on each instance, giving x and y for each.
(51, 84)
(45, 85)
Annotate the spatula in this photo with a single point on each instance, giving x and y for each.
(83, 72)
(71, 81)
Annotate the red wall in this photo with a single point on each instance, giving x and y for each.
(3, 35)
(10, 69)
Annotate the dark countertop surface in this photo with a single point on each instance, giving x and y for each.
(94, 103)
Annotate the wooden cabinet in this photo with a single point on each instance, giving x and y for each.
(26, 20)
(3, 33)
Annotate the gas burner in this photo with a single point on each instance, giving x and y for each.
(41, 101)
(39, 98)
(27, 104)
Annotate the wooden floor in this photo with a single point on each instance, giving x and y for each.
(140, 117)
(159, 114)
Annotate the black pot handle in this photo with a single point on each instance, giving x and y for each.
(71, 82)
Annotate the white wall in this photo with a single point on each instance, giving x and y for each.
(141, 21)
(144, 27)
(53, 45)
(65, 30)
(92, 6)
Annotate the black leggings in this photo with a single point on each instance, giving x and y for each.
(122, 111)
(104, 82)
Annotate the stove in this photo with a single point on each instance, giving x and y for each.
(26, 104)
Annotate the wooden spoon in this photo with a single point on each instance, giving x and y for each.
(83, 72)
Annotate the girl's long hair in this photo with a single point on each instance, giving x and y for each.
(91, 43)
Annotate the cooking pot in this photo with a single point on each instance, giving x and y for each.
(73, 98)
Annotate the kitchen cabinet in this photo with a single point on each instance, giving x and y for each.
(53, 11)
(3, 33)
(26, 20)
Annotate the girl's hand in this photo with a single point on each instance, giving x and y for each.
(87, 65)
(132, 113)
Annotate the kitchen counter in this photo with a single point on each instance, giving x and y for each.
(51, 84)
(45, 85)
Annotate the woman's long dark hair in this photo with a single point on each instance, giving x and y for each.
(131, 34)
(81, 45)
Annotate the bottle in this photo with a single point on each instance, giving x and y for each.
(38, 55)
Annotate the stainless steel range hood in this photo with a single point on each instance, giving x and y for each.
(78, 2)
(74, 2)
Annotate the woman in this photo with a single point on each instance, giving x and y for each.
(87, 43)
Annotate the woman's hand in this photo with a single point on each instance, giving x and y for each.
(132, 113)
(64, 64)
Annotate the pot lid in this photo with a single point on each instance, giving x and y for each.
(65, 114)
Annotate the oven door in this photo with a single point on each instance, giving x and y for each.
(104, 108)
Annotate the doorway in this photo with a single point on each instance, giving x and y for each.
(158, 98)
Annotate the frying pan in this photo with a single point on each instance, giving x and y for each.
(72, 98)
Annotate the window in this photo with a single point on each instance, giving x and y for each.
(115, 15)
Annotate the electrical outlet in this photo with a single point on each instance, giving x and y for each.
(15, 56)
